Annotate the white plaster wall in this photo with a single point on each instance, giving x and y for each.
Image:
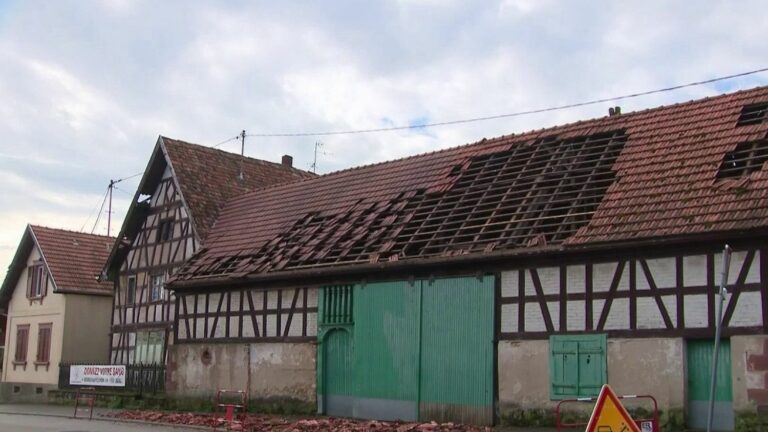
(20, 312)
(653, 366)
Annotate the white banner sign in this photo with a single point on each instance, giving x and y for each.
(113, 376)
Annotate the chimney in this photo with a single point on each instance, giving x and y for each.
(287, 161)
(614, 111)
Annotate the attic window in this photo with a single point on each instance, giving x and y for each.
(165, 230)
(753, 114)
(747, 158)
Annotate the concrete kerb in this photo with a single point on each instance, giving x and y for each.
(102, 417)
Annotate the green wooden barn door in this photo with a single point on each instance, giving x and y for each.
(456, 377)
(339, 382)
(386, 337)
(409, 350)
(699, 370)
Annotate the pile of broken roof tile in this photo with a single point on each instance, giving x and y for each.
(256, 422)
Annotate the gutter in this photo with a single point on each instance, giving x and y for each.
(352, 270)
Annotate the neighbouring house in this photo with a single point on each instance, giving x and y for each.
(175, 205)
(484, 282)
(57, 309)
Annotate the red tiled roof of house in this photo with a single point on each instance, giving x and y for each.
(668, 171)
(209, 177)
(74, 259)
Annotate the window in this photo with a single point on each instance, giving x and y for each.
(158, 291)
(577, 365)
(22, 338)
(44, 343)
(165, 230)
(36, 280)
(149, 347)
(130, 291)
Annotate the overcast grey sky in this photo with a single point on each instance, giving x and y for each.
(86, 87)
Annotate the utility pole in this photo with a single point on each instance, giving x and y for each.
(109, 211)
(242, 153)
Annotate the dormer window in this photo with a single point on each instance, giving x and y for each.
(36, 280)
(165, 230)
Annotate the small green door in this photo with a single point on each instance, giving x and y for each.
(699, 370)
(339, 355)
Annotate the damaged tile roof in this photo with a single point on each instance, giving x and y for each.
(669, 171)
(209, 177)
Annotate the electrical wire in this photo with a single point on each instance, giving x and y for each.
(507, 115)
(82, 228)
(101, 209)
(129, 177)
(226, 141)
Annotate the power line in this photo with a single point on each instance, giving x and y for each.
(129, 177)
(226, 141)
(92, 210)
(507, 115)
(98, 217)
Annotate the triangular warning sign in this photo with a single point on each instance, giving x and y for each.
(610, 415)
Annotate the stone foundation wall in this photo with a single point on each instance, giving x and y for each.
(269, 371)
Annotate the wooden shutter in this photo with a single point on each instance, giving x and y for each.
(22, 335)
(577, 365)
(30, 272)
(44, 343)
(46, 280)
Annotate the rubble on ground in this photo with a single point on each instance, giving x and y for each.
(256, 422)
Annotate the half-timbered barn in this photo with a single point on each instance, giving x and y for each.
(175, 205)
(502, 276)
(58, 311)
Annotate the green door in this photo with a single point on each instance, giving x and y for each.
(423, 350)
(456, 379)
(699, 370)
(339, 354)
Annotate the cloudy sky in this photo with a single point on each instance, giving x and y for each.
(86, 87)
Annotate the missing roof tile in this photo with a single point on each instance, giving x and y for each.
(753, 114)
(534, 194)
(747, 158)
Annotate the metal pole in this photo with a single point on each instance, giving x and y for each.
(242, 154)
(721, 296)
(109, 212)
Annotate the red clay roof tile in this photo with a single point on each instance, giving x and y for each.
(74, 259)
(660, 181)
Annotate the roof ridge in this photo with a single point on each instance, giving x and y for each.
(232, 154)
(499, 139)
(65, 230)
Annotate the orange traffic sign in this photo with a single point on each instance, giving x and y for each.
(610, 415)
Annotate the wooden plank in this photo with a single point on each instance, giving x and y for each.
(611, 295)
(632, 295)
(588, 296)
(521, 295)
(542, 303)
(287, 329)
(563, 298)
(656, 296)
(735, 290)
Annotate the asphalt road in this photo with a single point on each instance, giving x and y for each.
(33, 423)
